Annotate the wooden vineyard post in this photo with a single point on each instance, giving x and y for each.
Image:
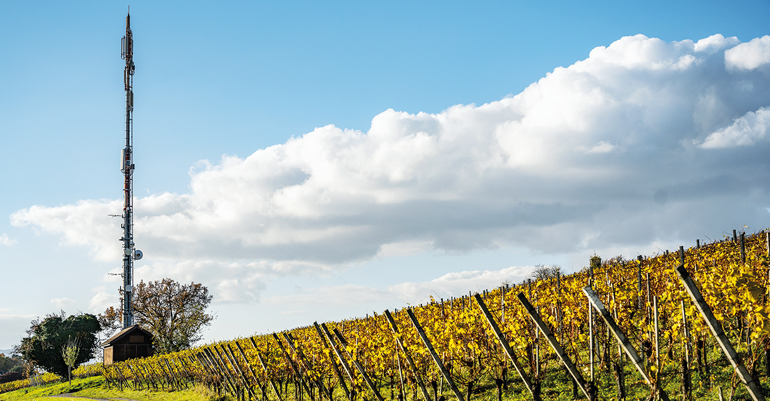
(251, 370)
(401, 392)
(222, 382)
(719, 334)
(589, 393)
(434, 355)
(558, 308)
(106, 376)
(136, 383)
(358, 366)
(121, 379)
(594, 262)
(743, 248)
(225, 360)
(224, 363)
(136, 377)
(141, 373)
(222, 372)
(686, 379)
(337, 352)
(208, 370)
(196, 371)
(293, 366)
(408, 355)
(657, 339)
(230, 354)
(506, 347)
(686, 382)
(150, 378)
(591, 341)
(184, 371)
(334, 365)
(264, 368)
(621, 338)
(220, 378)
(639, 279)
(161, 379)
(305, 362)
(174, 378)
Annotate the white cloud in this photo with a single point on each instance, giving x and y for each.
(227, 281)
(102, 300)
(86, 223)
(749, 56)
(6, 240)
(449, 285)
(62, 303)
(459, 283)
(403, 248)
(329, 296)
(602, 154)
(745, 131)
(601, 147)
(715, 43)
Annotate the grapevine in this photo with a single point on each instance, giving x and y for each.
(302, 363)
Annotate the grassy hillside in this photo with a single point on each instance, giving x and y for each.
(94, 388)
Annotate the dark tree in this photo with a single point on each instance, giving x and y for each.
(43, 347)
(543, 272)
(110, 320)
(174, 313)
(8, 363)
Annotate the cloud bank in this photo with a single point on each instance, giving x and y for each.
(447, 286)
(642, 141)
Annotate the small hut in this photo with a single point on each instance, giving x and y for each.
(131, 342)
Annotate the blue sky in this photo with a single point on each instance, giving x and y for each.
(219, 80)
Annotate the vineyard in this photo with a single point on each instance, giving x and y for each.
(692, 324)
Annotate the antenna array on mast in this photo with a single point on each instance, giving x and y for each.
(127, 168)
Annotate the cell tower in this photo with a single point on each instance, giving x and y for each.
(127, 168)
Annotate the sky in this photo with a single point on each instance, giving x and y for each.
(315, 161)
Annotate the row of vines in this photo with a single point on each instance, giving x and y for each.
(449, 349)
(33, 381)
(374, 359)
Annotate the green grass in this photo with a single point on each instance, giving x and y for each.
(556, 386)
(94, 388)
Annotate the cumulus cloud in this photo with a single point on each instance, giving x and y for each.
(62, 303)
(458, 284)
(615, 151)
(749, 56)
(6, 240)
(85, 223)
(102, 300)
(745, 131)
(449, 285)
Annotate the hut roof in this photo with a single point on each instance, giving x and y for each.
(126, 332)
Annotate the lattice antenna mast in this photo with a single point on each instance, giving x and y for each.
(127, 168)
